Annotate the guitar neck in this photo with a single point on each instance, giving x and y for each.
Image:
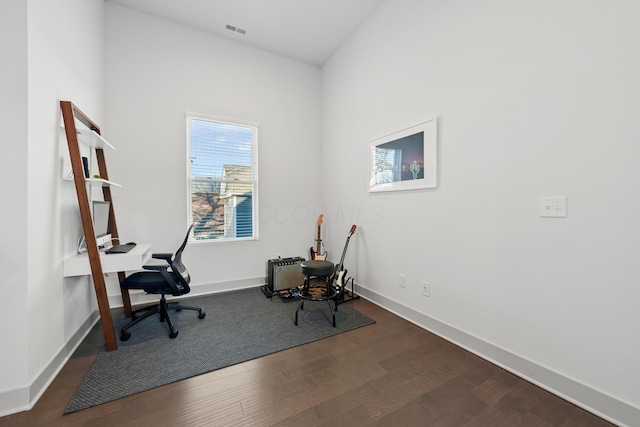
(318, 240)
(344, 252)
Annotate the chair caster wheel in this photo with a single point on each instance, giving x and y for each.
(173, 334)
(201, 315)
(125, 336)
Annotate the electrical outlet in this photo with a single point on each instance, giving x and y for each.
(426, 288)
(402, 281)
(553, 207)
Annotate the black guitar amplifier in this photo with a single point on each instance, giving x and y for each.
(284, 273)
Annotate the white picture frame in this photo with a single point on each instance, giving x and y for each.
(406, 159)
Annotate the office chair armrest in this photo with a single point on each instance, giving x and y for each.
(165, 256)
(175, 289)
(155, 267)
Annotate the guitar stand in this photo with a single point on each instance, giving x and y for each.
(346, 294)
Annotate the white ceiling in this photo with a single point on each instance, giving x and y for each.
(309, 31)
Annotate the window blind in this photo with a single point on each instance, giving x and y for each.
(222, 179)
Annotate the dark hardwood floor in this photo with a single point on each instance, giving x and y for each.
(392, 373)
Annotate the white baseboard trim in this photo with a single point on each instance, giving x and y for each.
(601, 404)
(115, 300)
(23, 399)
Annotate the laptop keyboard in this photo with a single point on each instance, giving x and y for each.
(121, 249)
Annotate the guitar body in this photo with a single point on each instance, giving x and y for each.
(341, 272)
(316, 254)
(320, 257)
(338, 282)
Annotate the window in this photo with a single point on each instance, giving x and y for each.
(222, 178)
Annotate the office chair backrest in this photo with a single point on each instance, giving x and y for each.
(180, 271)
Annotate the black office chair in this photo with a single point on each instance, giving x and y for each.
(172, 278)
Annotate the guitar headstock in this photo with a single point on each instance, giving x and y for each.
(320, 219)
(353, 230)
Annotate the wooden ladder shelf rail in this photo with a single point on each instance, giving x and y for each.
(69, 115)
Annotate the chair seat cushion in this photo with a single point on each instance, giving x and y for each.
(151, 282)
(316, 268)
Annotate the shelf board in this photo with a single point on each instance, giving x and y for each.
(92, 139)
(98, 182)
(102, 182)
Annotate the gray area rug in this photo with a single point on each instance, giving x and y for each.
(238, 326)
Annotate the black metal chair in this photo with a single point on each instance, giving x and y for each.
(172, 279)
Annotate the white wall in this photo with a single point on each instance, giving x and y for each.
(57, 54)
(13, 259)
(533, 99)
(155, 71)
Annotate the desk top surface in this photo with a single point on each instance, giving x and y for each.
(78, 264)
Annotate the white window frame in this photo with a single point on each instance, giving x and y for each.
(254, 175)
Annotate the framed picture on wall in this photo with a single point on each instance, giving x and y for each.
(406, 159)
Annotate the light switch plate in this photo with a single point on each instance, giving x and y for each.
(553, 207)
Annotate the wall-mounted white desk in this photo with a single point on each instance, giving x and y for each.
(78, 265)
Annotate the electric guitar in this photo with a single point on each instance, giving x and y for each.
(340, 271)
(316, 254)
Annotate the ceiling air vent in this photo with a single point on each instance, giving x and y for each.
(236, 29)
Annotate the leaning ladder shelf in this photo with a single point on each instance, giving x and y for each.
(91, 137)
